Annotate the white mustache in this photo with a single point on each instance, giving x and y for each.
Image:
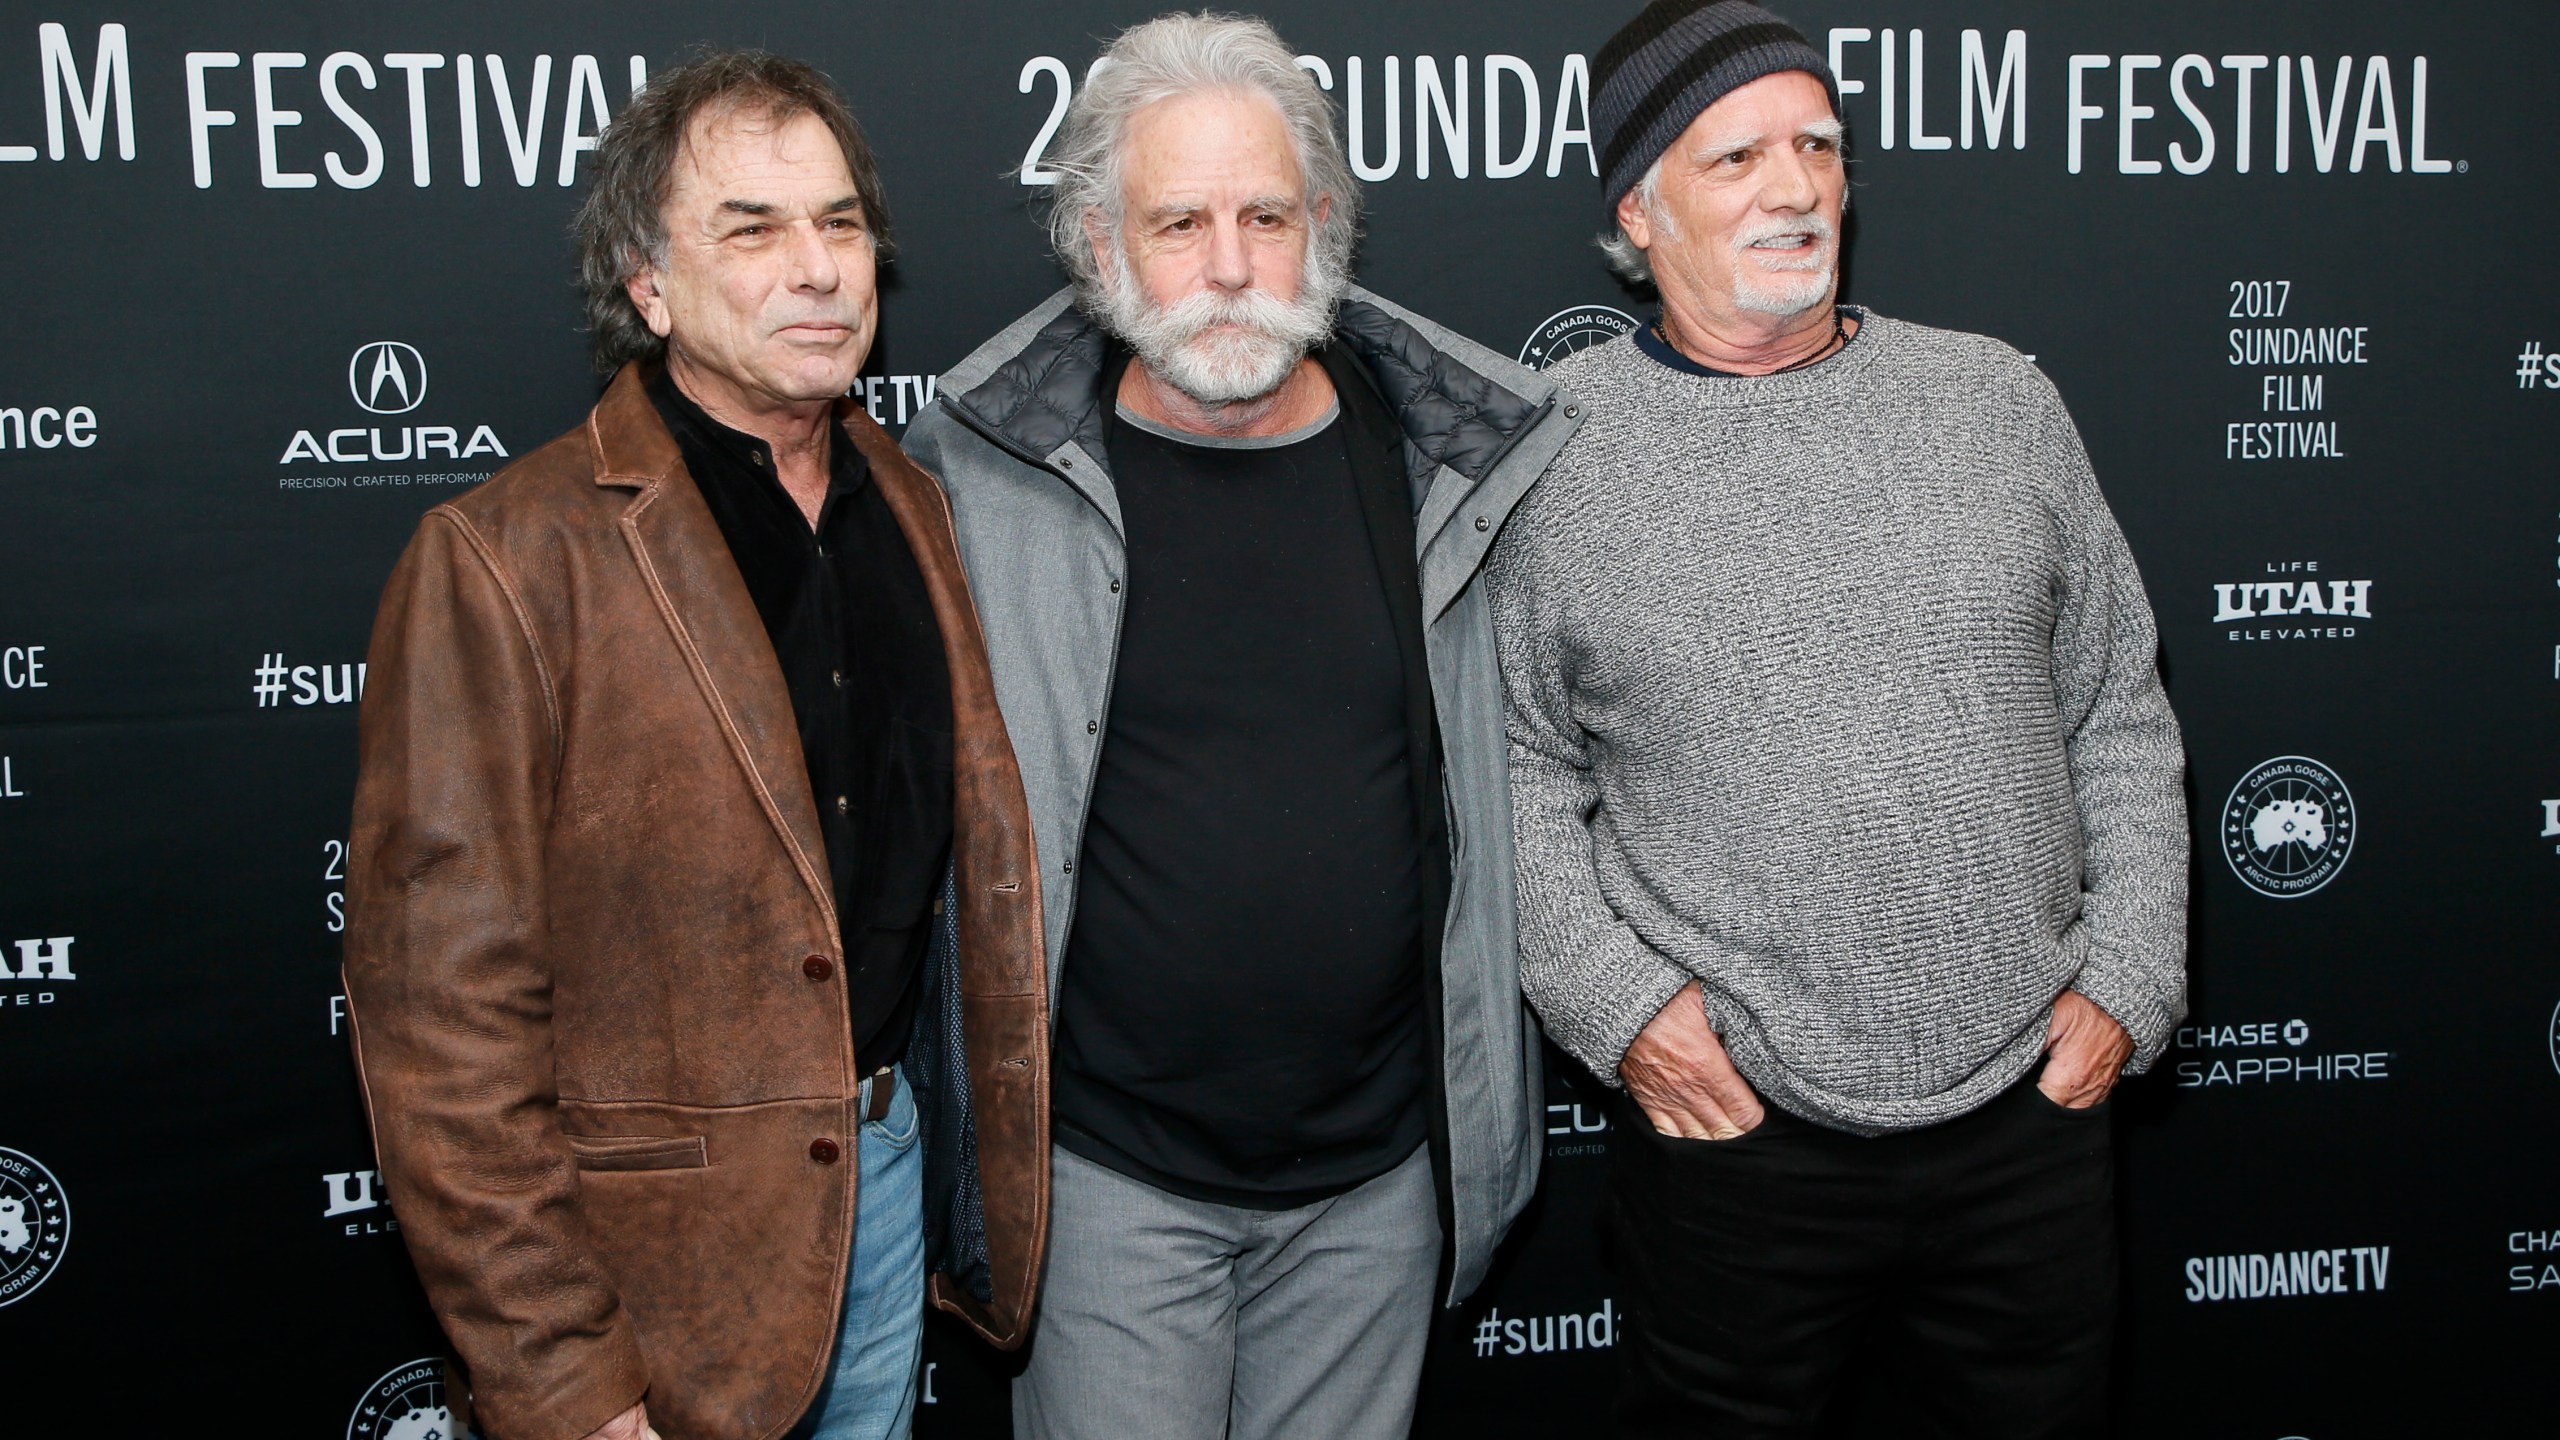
(1258, 313)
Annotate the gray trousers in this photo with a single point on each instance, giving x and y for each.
(1163, 1318)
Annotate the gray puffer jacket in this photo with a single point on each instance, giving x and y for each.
(1016, 436)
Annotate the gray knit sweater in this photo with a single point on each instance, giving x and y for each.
(1835, 691)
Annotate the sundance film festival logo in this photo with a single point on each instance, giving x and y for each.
(407, 1404)
(388, 378)
(35, 1225)
(1569, 332)
(354, 117)
(2155, 114)
(2288, 827)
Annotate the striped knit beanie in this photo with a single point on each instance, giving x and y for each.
(1674, 60)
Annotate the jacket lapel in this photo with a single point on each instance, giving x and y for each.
(990, 818)
(686, 563)
(1002, 972)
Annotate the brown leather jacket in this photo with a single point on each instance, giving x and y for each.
(591, 947)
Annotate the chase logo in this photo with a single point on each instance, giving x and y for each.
(388, 377)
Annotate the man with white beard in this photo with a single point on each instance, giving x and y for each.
(1852, 842)
(1224, 515)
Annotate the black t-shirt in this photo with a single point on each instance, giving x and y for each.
(1240, 1015)
(861, 653)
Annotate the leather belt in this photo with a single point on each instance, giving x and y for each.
(884, 1088)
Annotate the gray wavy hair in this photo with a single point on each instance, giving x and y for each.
(1624, 254)
(621, 228)
(1173, 56)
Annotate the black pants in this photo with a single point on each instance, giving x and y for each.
(1973, 1264)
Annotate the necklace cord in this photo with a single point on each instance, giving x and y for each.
(1831, 346)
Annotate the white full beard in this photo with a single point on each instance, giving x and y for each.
(1796, 285)
(1184, 346)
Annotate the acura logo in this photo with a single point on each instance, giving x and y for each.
(388, 377)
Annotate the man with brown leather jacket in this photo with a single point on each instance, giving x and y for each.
(695, 944)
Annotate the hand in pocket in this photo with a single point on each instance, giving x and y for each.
(1678, 1071)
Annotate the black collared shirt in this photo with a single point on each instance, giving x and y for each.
(861, 653)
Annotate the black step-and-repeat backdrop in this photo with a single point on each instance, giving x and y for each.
(276, 276)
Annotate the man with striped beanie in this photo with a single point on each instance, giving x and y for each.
(1850, 827)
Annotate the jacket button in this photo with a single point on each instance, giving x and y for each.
(1483, 524)
(1070, 867)
(824, 1151)
(1115, 587)
(1572, 412)
(817, 967)
(1091, 728)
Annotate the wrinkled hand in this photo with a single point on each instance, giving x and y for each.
(2085, 1050)
(1678, 1071)
(631, 1424)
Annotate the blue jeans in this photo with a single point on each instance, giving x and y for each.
(870, 1389)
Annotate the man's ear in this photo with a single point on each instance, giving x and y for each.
(1100, 240)
(1632, 220)
(646, 289)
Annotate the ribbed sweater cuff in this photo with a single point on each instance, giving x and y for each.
(2132, 1003)
(1625, 983)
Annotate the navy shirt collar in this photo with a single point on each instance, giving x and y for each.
(1649, 340)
